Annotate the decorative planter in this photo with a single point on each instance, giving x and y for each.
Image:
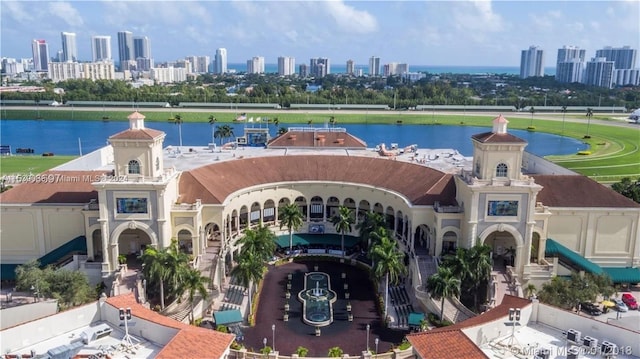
(287, 295)
(289, 276)
(350, 317)
(315, 267)
(286, 317)
(317, 331)
(288, 285)
(348, 307)
(346, 286)
(344, 275)
(286, 307)
(346, 295)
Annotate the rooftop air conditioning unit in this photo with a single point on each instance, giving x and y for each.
(608, 349)
(589, 342)
(573, 335)
(543, 353)
(95, 333)
(573, 353)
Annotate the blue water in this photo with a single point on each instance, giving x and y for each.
(341, 68)
(61, 137)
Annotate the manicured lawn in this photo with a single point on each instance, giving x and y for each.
(24, 164)
(614, 150)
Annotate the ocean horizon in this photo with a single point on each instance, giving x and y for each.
(434, 69)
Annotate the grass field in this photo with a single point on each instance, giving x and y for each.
(614, 150)
(25, 164)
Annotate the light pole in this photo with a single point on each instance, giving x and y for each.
(264, 343)
(273, 336)
(377, 341)
(368, 327)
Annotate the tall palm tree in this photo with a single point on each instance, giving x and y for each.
(212, 121)
(178, 121)
(532, 110)
(479, 262)
(388, 263)
(343, 222)
(564, 113)
(370, 223)
(258, 243)
(589, 115)
(227, 131)
(154, 269)
(248, 270)
(165, 267)
(194, 282)
(458, 263)
(290, 217)
(442, 285)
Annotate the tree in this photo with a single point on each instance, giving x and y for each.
(443, 285)
(532, 110)
(568, 293)
(258, 243)
(564, 113)
(248, 270)
(165, 268)
(282, 131)
(212, 121)
(479, 261)
(628, 188)
(335, 352)
(290, 217)
(178, 121)
(388, 261)
(343, 222)
(194, 282)
(589, 115)
(223, 132)
(372, 221)
(302, 351)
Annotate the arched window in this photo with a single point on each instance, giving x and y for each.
(501, 170)
(134, 167)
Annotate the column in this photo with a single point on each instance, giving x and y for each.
(104, 229)
(309, 212)
(527, 243)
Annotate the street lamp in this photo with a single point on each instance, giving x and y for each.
(377, 341)
(264, 343)
(368, 327)
(273, 336)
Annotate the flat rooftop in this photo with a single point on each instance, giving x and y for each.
(111, 345)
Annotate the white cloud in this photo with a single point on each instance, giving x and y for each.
(67, 13)
(16, 11)
(350, 19)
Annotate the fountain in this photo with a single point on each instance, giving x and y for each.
(317, 300)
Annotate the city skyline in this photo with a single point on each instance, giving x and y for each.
(460, 33)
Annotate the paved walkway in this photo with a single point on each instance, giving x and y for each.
(503, 283)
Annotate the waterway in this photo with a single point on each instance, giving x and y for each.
(69, 137)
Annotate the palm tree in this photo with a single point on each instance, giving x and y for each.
(153, 268)
(166, 267)
(343, 222)
(178, 121)
(282, 131)
(212, 121)
(458, 263)
(249, 269)
(258, 243)
(388, 262)
(564, 113)
(194, 282)
(290, 217)
(479, 261)
(371, 222)
(589, 115)
(443, 285)
(276, 122)
(227, 131)
(532, 110)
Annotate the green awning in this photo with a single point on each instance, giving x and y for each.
(225, 317)
(623, 275)
(415, 319)
(555, 249)
(8, 271)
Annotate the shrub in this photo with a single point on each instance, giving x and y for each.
(404, 345)
(586, 136)
(437, 322)
(335, 352)
(531, 128)
(236, 346)
(584, 153)
(222, 328)
(266, 350)
(302, 351)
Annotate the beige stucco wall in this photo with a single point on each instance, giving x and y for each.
(29, 232)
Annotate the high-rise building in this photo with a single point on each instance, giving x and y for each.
(626, 77)
(40, 50)
(141, 47)
(623, 57)
(221, 61)
(69, 47)
(570, 71)
(286, 66)
(125, 47)
(255, 65)
(374, 66)
(319, 67)
(532, 62)
(567, 53)
(303, 70)
(350, 67)
(199, 64)
(599, 72)
(101, 48)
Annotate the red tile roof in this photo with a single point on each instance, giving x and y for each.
(141, 134)
(579, 191)
(54, 187)
(317, 140)
(419, 184)
(490, 137)
(188, 342)
(451, 336)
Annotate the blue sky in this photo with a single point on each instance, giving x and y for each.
(460, 33)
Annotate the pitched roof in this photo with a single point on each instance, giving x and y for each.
(490, 137)
(451, 337)
(140, 134)
(579, 191)
(54, 187)
(419, 184)
(317, 140)
(185, 343)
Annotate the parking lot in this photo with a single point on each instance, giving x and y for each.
(629, 319)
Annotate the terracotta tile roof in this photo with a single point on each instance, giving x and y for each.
(419, 184)
(578, 191)
(490, 137)
(188, 342)
(452, 344)
(451, 336)
(60, 187)
(317, 140)
(141, 134)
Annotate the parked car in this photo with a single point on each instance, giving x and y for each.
(590, 308)
(630, 301)
(620, 306)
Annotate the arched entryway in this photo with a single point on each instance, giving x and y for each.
(185, 241)
(96, 240)
(505, 245)
(269, 212)
(422, 240)
(333, 203)
(301, 202)
(449, 242)
(129, 242)
(317, 209)
(213, 235)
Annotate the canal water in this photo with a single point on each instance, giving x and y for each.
(68, 137)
